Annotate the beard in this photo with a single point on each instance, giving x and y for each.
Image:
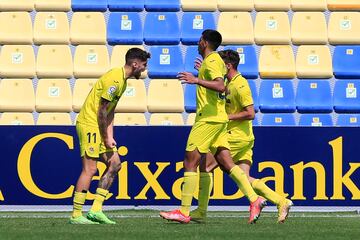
(137, 75)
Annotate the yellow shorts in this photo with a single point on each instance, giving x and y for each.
(90, 141)
(241, 150)
(206, 135)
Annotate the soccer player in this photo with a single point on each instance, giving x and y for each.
(240, 110)
(94, 127)
(210, 129)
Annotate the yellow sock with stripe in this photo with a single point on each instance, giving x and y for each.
(241, 180)
(79, 200)
(99, 199)
(205, 186)
(263, 190)
(188, 189)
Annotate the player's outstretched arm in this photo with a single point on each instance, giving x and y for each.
(217, 84)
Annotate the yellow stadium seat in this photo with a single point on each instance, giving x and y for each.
(82, 88)
(16, 5)
(349, 5)
(344, 28)
(309, 28)
(17, 118)
(277, 61)
(88, 28)
(54, 119)
(236, 28)
(272, 28)
(314, 62)
(15, 28)
(129, 119)
(166, 119)
(17, 95)
(54, 61)
(53, 5)
(165, 96)
(134, 97)
(308, 5)
(199, 5)
(191, 119)
(17, 61)
(91, 61)
(273, 5)
(51, 28)
(53, 95)
(118, 56)
(235, 5)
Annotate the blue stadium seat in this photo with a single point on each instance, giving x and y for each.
(314, 96)
(348, 120)
(190, 98)
(190, 56)
(162, 5)
(90, 5)
(255, 122)
(193, 24)
(126, 5)
(346, 97)
(346, 62)
(254, 94)
(161, 28)
(279, 119)
(124, 28)
(315, 120)
(165, 62)
(248, 65)
(277, 96)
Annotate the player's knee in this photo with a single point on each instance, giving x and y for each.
(116, 166)
(90, 170)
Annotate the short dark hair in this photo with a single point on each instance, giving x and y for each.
(136, 53)
(213, 37)
(230, 56)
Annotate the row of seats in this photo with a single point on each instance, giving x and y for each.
(164, 28)
(174, 5)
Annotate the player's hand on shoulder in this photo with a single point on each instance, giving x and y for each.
(197, 63)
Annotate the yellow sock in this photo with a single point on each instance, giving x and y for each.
(79, 200)
(205, 187)
(188, 189)
(241, 180)
(263, 190)
(99, 199)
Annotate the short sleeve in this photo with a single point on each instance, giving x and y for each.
(110, 87)
(215, 69)
(245, 95)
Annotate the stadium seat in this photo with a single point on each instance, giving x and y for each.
(166, 119)
(15, 28)
(236, 28)
(348, 120)
(53, 5)
(17, 118)
(277, 96)
(309, 28)
(51, 28)
(278, 119)
(308, 5)
(165, 62)
(274, 5)
(199, 5)
(254, 94)
(53, 95)
(124, 28)
(118, 56)
(314, 62)
(316, 120)
(272, 28)
(248, 65)
(54, 119)
(235, 5)
(346, 61)
(91, 61)
(54, 61)
(88, 28)
(165, 96)
(17, 95)
(162, 5)
(255, 121)
(339, 5)
(190, 57)
(277, 61)
(346, 99)
(17, 61)
(161, 28)
(89, 5)
(126, 5)
(190, 119)
(344, 28)
(129, 119)
(190, 98)
(81, 90)
(134, 98)
(16, 5)
(314, 96)
(193, 24)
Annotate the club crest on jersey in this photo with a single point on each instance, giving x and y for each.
(111, 90)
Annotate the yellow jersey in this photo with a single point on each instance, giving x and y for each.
(110, 87)
(238, 97)
(210, 106)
